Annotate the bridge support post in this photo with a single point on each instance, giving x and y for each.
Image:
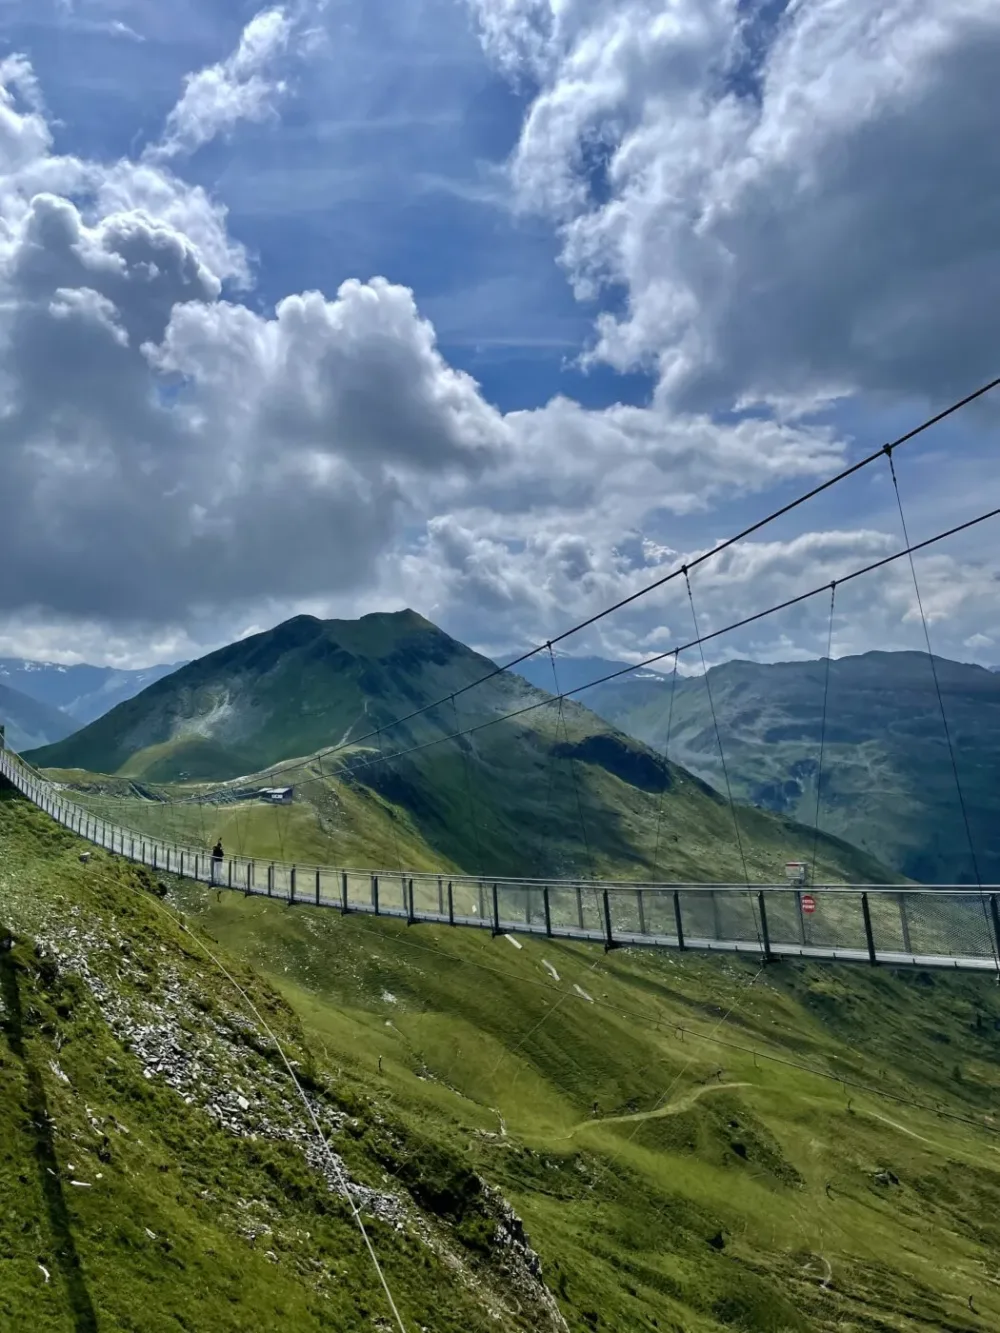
(869, 937)
(270, 880)
(905, 924)
(642, 911)
(343, 891)
(410, 918)
(291, 885)
(375, 893)
(765, 938)
(548, 911)
(451, 905)
(609, 938)
(716, 920)
(677, 920)
(440, 896)
(229, 873)
(496, 912)
(249, 888)
(995, 914)
(800, 915)
(579, 906)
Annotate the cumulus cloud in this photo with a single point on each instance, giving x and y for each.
(185, 466)
(515, 596)
(797, 201)
(244, 86)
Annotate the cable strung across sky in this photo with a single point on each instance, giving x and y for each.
(711, 554)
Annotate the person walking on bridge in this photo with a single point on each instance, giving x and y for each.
(217, 855)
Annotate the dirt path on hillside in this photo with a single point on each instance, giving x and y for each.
(682, 1103)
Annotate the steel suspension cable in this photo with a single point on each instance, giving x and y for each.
(722, 758)
(822, 731)
(711, 554)
(572, 769)
(473, 807)
(392, 812)
(940, 699)
(666, 768)
(789, 602)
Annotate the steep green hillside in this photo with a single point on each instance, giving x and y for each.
(555, 791)
(28, 722)
(692, 1144)
(524, 804)
(157, 1170)
(888, 785)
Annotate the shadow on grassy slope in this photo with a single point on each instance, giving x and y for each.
(49, 1177)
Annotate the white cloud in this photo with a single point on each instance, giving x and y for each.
(795, 205)
(185, 466)
(243, 87)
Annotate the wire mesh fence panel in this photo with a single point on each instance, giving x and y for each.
(628, 911)
(534, 906)
(513, 906)
(699, 913)
(427, 899)
(890, 919)
(736, 916)
(949, 925)
(836, 923)
(786, 917)
(576, 908)
(658, 913)
(469, 900)
(359, 890)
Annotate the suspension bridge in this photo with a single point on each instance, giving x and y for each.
(896, 925)
(903, 925)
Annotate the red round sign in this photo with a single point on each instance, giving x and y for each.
(808, 903)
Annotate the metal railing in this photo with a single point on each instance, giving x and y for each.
(899, 925)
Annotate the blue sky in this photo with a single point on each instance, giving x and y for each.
(687, 280)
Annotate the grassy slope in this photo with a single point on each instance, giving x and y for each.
(472, 1045)
(888, 784)
(485, 1055)
(513, 806)
(185, 1224)
(473, 1041)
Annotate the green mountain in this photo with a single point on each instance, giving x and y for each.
(888, 786)
(554, 791)
(545, 1138)
(27, 722)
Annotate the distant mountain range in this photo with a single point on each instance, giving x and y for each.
(572, 673)
(550, 792)
(27, 722)
(888, 784)
(79, 693)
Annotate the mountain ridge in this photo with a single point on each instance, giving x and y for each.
(499, 779)
(888, 785)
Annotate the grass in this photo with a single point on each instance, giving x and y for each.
(179, 1223)
(755, 1161)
